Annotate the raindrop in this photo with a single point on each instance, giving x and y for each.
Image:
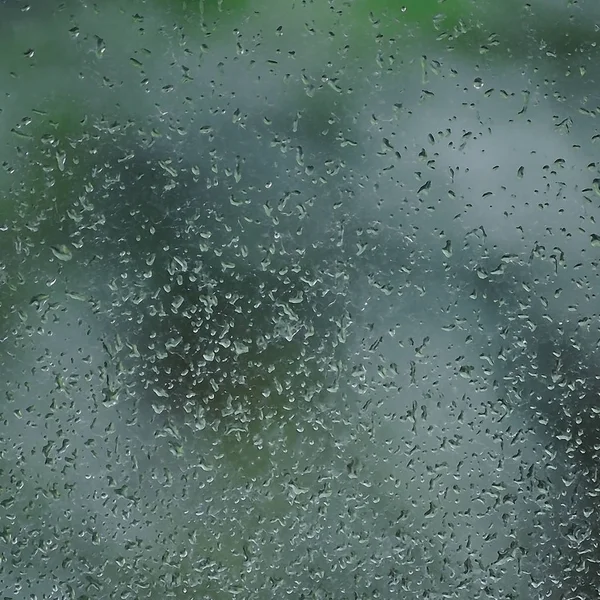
(62, 252)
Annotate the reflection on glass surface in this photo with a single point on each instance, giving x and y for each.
(299, 300)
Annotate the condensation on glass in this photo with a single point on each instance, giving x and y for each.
(299, 300)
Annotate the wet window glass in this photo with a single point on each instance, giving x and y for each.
(299, 299)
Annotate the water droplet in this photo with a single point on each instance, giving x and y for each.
(447, 249)
(100, 46)
(61, 159)
(62, 252)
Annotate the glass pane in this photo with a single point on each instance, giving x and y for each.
(298, 299)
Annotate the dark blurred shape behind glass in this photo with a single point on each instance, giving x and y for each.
(299, 300)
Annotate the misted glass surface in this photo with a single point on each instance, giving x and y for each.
(299, 299)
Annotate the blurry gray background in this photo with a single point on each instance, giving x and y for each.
(299, 299)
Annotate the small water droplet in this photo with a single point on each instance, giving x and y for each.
(100, 46)
(447, 249)
(61, 159)
(62, 252)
